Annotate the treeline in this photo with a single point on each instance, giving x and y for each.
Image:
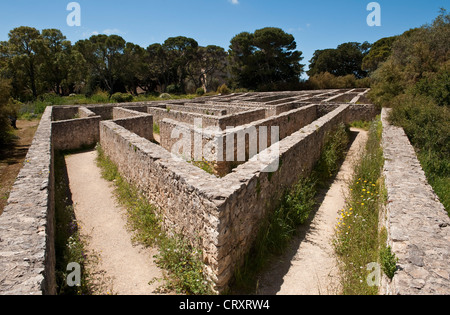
(38, 62)
(41, 62)
(46, 62)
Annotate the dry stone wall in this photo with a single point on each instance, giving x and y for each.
(76, 133)
(418, 225)
(27, 253)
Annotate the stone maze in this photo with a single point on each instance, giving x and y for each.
(255, 145)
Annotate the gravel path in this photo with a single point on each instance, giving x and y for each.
(104, 223)
(309, 266)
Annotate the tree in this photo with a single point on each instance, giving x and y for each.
(208, 66)
(57, 58)
(379, 52)
(180, 52)
(137, 68)
(344, 60)
(265, 59)
(158, 68)
(5, 127)
(21, 59)
(105, 56)
(242, 63)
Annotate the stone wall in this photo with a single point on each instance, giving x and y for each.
(212, 144)
(139, 123)
(27, 253)
(222, 122)
(76, 133)
(250, 194)
(417, 224)
(213, 111)
(224, 213)
(183, 191)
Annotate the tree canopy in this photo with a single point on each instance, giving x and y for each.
(41, 62)
(264, 59)
(346, 59)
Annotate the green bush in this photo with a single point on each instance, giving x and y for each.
(99, 97)
(122, 97)
(173, 89)
(388, 261)
(436, 85)
(223, 89)
(326, 80)
(200, 91)
(425, 123)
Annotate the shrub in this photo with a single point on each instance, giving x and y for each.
(122, 97)
(100, 97)
(294, 209)
(173, 89)
(223, 89)
(388, 262)
(200, 91)
(326, 80)
(165, 96)
(436, 85)
(425, 123)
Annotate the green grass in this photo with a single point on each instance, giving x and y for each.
(358, 241)
(183, 262)
(206, 166)
(156, 129)
(295, 207)
(361, 124)
(439, 180)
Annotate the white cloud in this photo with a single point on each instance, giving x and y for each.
(234, 1)
(110, 31)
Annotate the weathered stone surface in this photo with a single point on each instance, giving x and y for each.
(26, 227)
(418, 225)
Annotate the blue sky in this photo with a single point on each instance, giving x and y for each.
(314, 24)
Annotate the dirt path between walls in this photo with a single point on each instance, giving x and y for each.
(309, 266)
(103, 222)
